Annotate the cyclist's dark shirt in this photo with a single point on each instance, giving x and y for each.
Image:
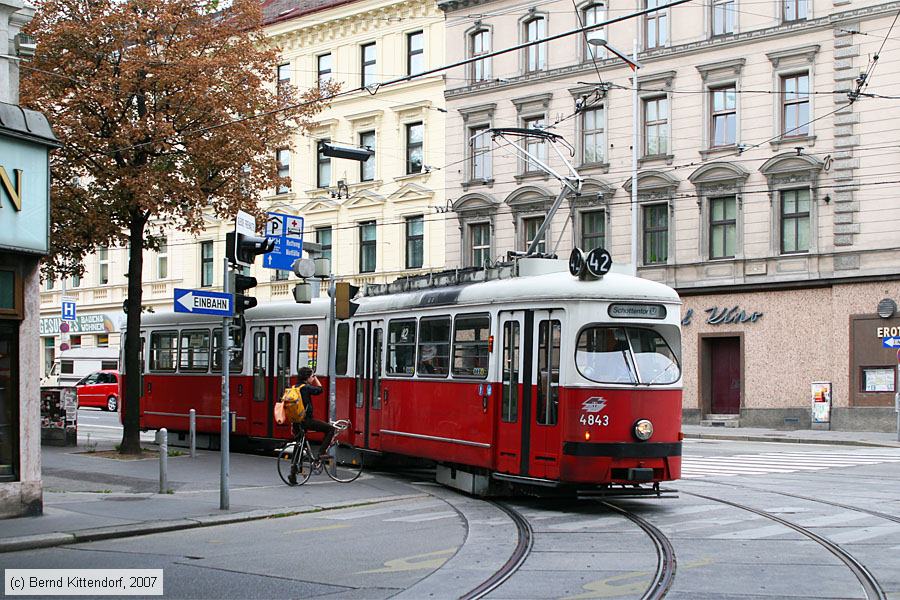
(307, 392)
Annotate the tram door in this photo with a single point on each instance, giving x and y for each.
(546, 431)
(270, 362)
(366, 417)
(509, 434)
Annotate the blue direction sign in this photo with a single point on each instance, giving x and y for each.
(890, 342)
(201, 302)
(68, 310)
(287, 231)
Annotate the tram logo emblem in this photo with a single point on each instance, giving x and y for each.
(593, 405)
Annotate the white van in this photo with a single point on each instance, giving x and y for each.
(73, 365)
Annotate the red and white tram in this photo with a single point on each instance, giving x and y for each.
(529, 375)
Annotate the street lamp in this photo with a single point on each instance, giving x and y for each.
(635, 123)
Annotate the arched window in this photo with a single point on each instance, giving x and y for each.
(479, 44)
(591, 15)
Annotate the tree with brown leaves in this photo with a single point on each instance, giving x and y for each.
(167, 113)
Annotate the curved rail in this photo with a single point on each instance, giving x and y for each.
(665, 554)
(870, 585)
(523, 549)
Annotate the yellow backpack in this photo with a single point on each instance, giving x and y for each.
(292, 400)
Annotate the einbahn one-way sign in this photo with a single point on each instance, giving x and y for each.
(890, 342)
(202, 302)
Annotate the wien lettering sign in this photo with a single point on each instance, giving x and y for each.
(24, 196)
(723, 316)
(13, 192)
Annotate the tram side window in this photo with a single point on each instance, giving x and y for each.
(163, 348)
(237, 351)
(282, 362)
(343, 347)
(510, 412)
(548, 372)
(470, 346)
(194, 355)
(603, 355)
(401, 348)
(308, 347)
(260, 364)
(434, 347)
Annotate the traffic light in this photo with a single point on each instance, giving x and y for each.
(243, 249)
(241, 284)
(344, 307)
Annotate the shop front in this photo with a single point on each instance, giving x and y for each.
(813, 357)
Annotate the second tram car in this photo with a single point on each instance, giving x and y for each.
(523, 374)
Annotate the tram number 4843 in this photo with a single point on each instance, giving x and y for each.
(601, 420)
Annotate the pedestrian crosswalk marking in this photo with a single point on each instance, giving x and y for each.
(697, 466)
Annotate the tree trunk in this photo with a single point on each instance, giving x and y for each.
(131, 433)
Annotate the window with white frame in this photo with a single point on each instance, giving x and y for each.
(723, 117)
(367, 240)
(323, 166)
(480, 44)
(722, 17)
(592, 15)
(536, 146)
(795, 105)
(656, 234)
(480, 153)
(76, 280)
(284, 80)
(367, 69)
(102, 266)
(530, 227)
(480, 243)
(656, 126)
(415, 52)
(324, 69)
(162, 259)
(536, 55)
(367, 167)
(284, 170)
(593, 135)
(795, 10)
(415, 137)
(415, 242)
(323, 238)
(207, 263)
(722, 227)
(795, 223)
(593, 230)
(656, 26)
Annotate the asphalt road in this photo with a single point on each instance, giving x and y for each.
(101, 426)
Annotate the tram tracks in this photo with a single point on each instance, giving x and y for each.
(870, 585)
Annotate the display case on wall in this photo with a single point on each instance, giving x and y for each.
(59, 416)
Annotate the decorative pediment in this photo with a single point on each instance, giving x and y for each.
(658, 182)
(791, 57)
(594, 192)
(723, 69)
(529, 197)
(319, 206)
(475, 202)
(411, 192)
(793, 165)
(715, 173)
(364, 199)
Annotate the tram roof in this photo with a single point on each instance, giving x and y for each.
(555, 287)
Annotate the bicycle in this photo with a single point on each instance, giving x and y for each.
(296, 461)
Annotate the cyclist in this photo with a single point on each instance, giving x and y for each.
(312, 387)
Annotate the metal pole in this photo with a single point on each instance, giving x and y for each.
(225, 433)
(332, 353)
(163, 436)
(193, 432)
(635, 123)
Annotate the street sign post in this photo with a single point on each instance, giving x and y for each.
(202, 302)
(68, 309)
(287, 231)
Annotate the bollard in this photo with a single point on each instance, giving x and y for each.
(163, 436)
(193, 432)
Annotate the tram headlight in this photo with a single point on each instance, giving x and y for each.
(643, 429)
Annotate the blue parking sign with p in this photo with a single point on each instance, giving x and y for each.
(68, 310)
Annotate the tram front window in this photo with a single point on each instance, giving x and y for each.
(625, 355)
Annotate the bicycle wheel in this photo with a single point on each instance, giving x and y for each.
(286, 466)
(346, 464)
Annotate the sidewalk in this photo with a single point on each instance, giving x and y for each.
(802, 436)
(88, 497)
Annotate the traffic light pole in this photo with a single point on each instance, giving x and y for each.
(225, 433)
(332, 352)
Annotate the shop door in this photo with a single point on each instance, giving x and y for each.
(546, 440)
(369, 341)
(9, 401)
(509, 429)
(725, 371)
(262, 361)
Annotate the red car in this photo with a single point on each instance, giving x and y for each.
(100, 389)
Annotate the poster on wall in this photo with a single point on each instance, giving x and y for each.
(821, 402)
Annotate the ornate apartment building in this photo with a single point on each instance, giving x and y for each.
(764, 183)
(376, 220)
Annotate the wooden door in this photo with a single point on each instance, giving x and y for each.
(725, 373)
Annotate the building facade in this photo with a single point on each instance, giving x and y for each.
(763, 181)
(377, 220)
(25, 142)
